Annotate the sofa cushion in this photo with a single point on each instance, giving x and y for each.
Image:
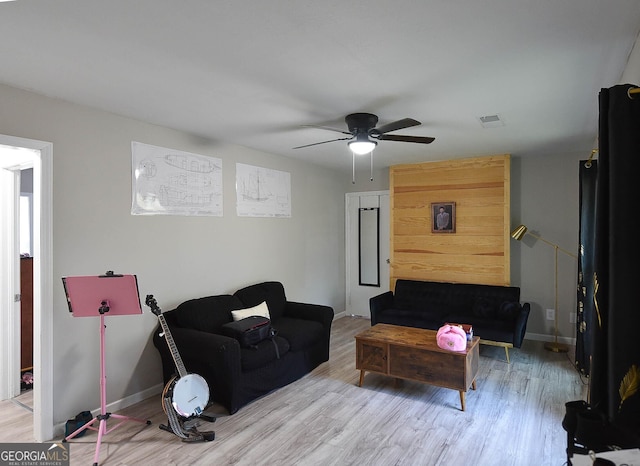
(493, 330)
(427, 297)
(263, 353)
(261, 310)
(207, 314)
(411, 318)
(509, 310)
(300, 333)
(484, 307)
(271, 292)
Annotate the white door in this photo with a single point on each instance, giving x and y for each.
(363, 280)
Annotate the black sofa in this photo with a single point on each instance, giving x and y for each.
(237, 375)
(495, 312)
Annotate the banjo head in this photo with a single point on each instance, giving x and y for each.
(189, 395)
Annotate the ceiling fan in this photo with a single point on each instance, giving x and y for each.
(364, 135)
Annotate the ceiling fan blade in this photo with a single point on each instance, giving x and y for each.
(323, 142)
(395, 125)
(327, 128)
(397, 137)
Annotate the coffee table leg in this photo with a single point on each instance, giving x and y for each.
(361, 378)
(462, 400)
(473, 384)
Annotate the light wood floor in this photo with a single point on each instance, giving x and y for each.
(513, 418)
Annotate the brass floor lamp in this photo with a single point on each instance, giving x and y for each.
(517, 234)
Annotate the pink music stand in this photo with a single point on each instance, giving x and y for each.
(92, 296)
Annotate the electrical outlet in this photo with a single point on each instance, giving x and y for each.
(551, 314)
(572, 317)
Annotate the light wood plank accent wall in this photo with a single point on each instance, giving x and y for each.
(479, 250)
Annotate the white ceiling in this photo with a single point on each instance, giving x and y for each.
(251, 72)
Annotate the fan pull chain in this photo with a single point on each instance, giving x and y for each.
(371, 158)
(353, 168)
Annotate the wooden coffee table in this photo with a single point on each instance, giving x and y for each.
(413, 354)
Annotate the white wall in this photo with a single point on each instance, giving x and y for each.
(631, 73)
(545, 198)
(174, 257)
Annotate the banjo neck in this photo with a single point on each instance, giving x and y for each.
(151, 302)
(182, 371)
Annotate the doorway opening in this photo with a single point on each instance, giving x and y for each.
(17, 154)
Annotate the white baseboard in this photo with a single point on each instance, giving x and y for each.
(118, 405)
(340, 314)
(543, 337)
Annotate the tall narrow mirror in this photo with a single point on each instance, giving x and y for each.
(369, 243)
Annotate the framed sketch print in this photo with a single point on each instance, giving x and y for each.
(443, 217)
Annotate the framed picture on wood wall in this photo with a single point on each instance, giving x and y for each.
(443, 217)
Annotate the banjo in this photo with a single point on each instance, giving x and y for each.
(189, 393)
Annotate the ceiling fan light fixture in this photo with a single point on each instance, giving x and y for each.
(362, 145)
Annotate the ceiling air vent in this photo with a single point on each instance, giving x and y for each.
(491, 121)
